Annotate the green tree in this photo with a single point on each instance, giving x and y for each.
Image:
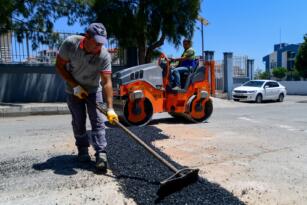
(293, 75)
(147, 24)
(34, 18)
(301, 59)
(279, 72)
(262, 74)
(142, 24)
(39, 15)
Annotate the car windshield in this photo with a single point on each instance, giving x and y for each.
(254, 83)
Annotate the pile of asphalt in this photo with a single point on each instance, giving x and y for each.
(136, 171)
(139, 173)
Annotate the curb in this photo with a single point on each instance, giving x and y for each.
(26, 110)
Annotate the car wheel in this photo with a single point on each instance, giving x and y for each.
(259, 98)
(281, 97)
(236, 100)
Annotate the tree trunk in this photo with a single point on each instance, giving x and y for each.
(148, 55)
(152, 47)
(141, 53)
(141, 31)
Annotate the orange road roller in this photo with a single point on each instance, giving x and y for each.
(141, 91)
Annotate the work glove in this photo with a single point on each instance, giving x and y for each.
(80, 92)
(112, 116)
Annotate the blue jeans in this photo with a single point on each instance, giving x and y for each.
(175, 75)
(78, 109)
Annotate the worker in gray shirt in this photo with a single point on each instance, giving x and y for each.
(85, 64)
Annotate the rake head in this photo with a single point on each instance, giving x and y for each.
(176, 182)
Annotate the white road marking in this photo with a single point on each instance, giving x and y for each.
(248, 119)
(288, 127)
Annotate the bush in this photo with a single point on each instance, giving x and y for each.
(264, 75)
(293, 75)
(279, 72)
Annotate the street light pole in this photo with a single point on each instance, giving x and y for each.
(202, 41)
(203, 22)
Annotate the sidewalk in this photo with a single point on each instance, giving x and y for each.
(25, 109)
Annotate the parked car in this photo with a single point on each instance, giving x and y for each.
(259, 90)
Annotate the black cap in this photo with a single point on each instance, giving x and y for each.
(98, 32)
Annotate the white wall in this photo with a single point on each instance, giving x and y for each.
(295, 87)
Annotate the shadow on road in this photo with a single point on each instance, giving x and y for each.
(170, 120)
(263, 102)
(164, 120)
(64, 165)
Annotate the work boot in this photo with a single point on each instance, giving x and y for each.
(83, 155)
(101, 161)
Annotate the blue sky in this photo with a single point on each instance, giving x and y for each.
(244, 27)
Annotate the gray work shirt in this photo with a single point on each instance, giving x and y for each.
(84, 67)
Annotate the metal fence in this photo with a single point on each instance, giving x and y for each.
(29, 47)
(41, 48)
(219, 75)
(240, 66)
(239, 72)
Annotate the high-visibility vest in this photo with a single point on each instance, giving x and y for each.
(190, 62)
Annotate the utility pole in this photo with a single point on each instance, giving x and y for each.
(204, 22)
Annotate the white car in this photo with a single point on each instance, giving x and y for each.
(259, 90)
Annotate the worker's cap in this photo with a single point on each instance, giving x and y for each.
(98, 32)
